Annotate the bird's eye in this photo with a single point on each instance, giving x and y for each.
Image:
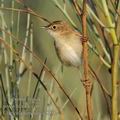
(54, 27)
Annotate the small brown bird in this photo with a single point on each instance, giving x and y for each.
(68, 43)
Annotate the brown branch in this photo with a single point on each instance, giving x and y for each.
(41, 72)
(47, 91)
(28, 10)
(87, 82)
(77, 7)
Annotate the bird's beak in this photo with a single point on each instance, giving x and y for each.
(42, 26)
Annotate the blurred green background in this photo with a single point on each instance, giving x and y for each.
(43, 47)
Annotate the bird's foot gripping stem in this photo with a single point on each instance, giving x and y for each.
(87, 85)
(84, 39)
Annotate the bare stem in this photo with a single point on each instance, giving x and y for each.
(114, 82)
(88, 83)
(21, 67)
(115, 61)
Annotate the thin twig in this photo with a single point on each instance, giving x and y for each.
(99, 81)
(45, 88)
(115, 8)
(30, 11)
(77, 7)
(36, 86)
(66, 102)
(101, 43)
(4, 93)
(64, 12)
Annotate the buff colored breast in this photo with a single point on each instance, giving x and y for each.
(70, 51)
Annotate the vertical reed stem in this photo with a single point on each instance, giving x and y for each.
(87, 82)
(114, 81)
